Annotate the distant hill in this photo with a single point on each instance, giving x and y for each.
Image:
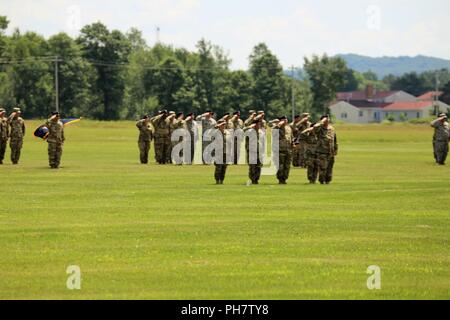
(394, 65)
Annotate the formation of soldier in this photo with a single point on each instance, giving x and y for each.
(441, 138)
(12, 129)
(301, 143)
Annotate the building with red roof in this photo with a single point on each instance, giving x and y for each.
(370, 106)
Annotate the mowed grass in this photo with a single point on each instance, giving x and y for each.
(168, 232)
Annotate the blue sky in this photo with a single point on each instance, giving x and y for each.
(292, 29)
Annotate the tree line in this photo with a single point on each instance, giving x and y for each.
(110, 75)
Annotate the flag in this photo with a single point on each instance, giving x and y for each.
(68, 121)
(42, 132)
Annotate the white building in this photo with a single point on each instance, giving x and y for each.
(370, 106)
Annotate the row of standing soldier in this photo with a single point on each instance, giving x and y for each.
(12, 128)
(300, 143)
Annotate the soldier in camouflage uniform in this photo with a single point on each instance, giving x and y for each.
(208, 125)
(221, 167)
(255, 165)
(177, 123)
(441, 138)
(172, 115)
(235, 123)
(55, 140)
(300, 124)
(145, 138)
(4, 134)
(191, 127)
(326, 150)
(312, 164)
(226, 117)
(263, 124)
(251, 116)
(161, 125)
(17, 134)
(285, 149)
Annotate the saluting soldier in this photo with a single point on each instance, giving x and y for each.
(17, 133)
(191, 127)
(221, 165)
(310, 140)
(441, 138)
(145, 138)
(263, 124)
(235, 123)
(253, 151)
(177, 123)
(4, 134)
(300, 124)
(208, 125)
(285, 149)
(55, 140)
(326, 150)
(161, 124)
(251, 116)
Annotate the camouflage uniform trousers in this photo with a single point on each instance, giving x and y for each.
(162, 148)
(440, 151)
(296, 156)
(325, 166)
(312, 165)
(3, 144)
(254, 172)
(144, 149)
(285, 159)
(16, 147)
(55, 150)
(220, 171)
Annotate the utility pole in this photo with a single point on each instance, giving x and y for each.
(56, 84)
(436, 95)
(157, 34)
(292, 92)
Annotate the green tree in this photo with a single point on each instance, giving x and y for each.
(169, 79)
(268, 80)
(75, 76)
(326, 75)
(107, 51)
(31, 75)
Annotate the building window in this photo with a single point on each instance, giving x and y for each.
(418, 115)
(361, 113)
(344, 115)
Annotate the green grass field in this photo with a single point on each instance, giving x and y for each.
(168, 232)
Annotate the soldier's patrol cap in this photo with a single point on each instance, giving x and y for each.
(172, 112)
(237, 113)
(261, 111)
(144, 117)
(306, 114)
(282, 118)
(55, 113)
(324, 116)
(209, 111)
(297, 116)
(442, 115)
(190, 114)
(179, 114)
(16, 110)
(2, 110)
(226, 114)
(251, 111)
(256, 121)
